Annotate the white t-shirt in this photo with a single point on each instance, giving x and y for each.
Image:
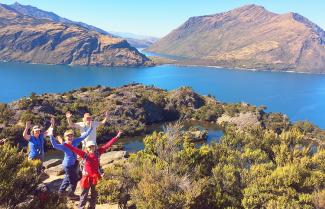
(83, 127)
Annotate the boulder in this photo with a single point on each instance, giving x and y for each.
(52, 162)
(116, 147)
(55, 170)
(197, 135)
(109, 157)
(241, 121)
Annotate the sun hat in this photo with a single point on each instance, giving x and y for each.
(68, 132)
(90, 143)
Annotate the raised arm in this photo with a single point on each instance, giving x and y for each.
(49, 131)
(84, 135)
(76, 150)
(25, 133)
(105, 119)
(104, 147)
(69, 119)
(55, 144)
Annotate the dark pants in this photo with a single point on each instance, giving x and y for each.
(84, 195)
(70, 179)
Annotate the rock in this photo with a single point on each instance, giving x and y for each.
(116, 147)
(197, 135)
(26, 203)
(52, 163)
(55, 170)
(109, 157)
(242, 120)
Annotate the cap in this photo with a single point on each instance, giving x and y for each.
(68, 132)
(36, 128)
(90, 143)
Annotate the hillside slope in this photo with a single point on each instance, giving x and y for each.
(249, 37)
(27, 39)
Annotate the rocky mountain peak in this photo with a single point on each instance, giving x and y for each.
(248, 37)
(251, 12)
(7, 12)
(249, 8)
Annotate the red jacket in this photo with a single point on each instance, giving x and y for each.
(91, 163)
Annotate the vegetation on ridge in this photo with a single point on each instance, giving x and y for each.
(262, 161)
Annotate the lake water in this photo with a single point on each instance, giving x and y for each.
(300, 96)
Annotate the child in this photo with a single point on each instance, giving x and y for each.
(70, 163)
(91, 172)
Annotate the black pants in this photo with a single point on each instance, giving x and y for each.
(84, 195)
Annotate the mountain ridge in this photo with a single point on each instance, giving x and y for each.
(39, 13)
(27, 39)
(248, 37)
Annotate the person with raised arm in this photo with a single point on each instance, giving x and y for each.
(84, 125)
(70, 162)
(91, 173)
(36, 141)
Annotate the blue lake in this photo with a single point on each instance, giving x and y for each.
(300, 96)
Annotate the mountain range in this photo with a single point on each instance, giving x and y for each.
(248, 37)
(134, 40)
(37, 39)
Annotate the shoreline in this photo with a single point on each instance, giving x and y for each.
(242, 69)
(174, 64)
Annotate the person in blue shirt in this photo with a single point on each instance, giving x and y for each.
(70, 162)
(36, 141)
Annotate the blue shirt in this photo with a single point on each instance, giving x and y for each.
(69, 157)
(36, 146)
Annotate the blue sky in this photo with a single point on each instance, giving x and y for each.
(157, 18)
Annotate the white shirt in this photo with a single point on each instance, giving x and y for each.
(83, 127)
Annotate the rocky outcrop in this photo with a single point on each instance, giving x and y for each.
(132, 108)
(27, 39)
(108, 158)
(52, 162)
(242, 120)
(248, 37)
(55, 170)
(196, 135)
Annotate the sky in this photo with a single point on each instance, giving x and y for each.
(158, 18)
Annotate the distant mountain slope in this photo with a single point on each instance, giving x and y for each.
(27, 39)
(249, 37)
(134, 40)
(138, 41)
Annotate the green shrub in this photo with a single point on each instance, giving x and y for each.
(18, 177)
(108, 191)
(250, 168)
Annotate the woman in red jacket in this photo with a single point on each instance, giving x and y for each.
(91, 174)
